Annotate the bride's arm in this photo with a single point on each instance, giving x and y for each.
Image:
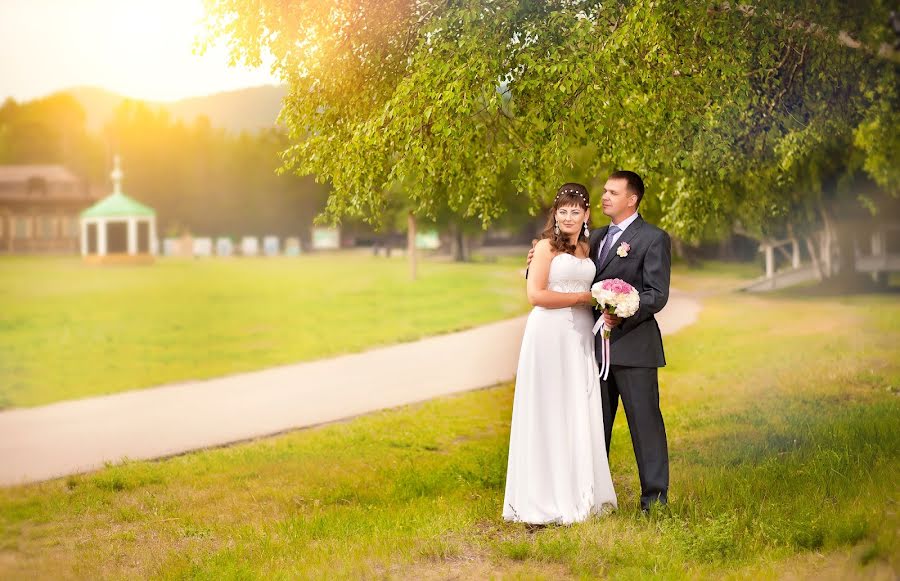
(539, 274)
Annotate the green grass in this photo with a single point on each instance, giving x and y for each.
(713, 276)
(784, 426)
(69, 331)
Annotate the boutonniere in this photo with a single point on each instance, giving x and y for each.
(623, 249)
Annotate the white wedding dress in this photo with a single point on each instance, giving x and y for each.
(558, 471)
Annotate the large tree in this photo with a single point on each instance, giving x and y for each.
(208, 181)
(732, 112)
(50, 130)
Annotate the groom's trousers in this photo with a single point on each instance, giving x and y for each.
(638, 387)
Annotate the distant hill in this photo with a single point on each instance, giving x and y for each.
(98, 104)
(244, 109)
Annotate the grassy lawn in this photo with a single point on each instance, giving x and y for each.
(784, 426)
(69, 331)
(713, 277)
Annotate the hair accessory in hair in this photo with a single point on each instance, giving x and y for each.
(574, 193)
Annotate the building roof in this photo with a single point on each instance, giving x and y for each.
(23, 173)
(44, 185)
(115, 205)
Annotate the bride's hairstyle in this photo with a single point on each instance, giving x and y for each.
(570, 194)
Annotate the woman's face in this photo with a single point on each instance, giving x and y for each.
(571, 219)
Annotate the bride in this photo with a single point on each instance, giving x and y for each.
(558, 471)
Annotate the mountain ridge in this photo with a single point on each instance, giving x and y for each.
(249, 109)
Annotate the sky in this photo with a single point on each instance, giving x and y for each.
(138, 48)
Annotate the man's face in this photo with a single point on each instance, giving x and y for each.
(618, 202)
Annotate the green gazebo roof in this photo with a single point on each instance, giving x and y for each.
(117, 204)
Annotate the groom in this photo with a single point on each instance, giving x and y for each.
(640, 254)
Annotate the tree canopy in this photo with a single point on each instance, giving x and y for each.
(730, 111)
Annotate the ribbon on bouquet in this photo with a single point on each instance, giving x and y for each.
(604, 347)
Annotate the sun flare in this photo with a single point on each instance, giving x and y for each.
(139, 48)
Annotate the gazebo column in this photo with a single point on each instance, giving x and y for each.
(132, 236)
(101, 237)
(154, 250)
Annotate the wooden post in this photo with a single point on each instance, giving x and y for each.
(411, 244)
(795, 253)
(83, 226)
(878, 243)
(770, 261)
(879, 250)
(9, 230)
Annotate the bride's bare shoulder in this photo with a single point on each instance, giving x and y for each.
(543, 246)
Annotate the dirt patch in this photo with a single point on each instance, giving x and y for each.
(838, 566)
(9, 561)
(481, 568)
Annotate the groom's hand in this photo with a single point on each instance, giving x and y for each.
(611, 321)
(530, 253)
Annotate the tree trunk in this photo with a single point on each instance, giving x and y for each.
(811, 247)
(680, 249)
(459, 244)
(726, 249)
(411, 244)
(827, 237)
(843, 236)
(844, 277)
(846, 252)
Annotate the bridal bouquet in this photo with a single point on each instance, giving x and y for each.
(616, 297)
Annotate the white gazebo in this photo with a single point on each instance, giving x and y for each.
(118, 229)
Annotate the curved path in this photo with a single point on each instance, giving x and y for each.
(82, 435)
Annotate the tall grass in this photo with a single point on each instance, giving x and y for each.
(785, 453)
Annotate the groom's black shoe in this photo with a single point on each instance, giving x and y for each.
(648, 503)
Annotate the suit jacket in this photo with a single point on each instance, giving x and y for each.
(637, 342)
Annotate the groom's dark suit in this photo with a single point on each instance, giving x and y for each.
(637, 350)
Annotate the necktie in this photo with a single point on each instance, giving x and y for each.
(607, 243)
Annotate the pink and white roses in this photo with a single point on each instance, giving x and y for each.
(616, 297)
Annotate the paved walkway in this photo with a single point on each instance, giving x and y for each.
(82, 435)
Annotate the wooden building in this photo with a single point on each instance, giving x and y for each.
(40, 207)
